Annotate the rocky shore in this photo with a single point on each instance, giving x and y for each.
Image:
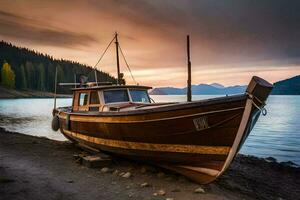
(39, 168)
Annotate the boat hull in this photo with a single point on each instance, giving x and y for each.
(171, 139)
(197, 139)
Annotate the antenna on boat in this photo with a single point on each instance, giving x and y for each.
(96, 79)
(118, 62)
(189, 80)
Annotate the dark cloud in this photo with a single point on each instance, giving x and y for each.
(26, 29)
(222, 32)
(231, 31)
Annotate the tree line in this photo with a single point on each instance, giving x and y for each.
(26, 69)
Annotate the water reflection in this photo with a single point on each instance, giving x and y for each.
(30, 116)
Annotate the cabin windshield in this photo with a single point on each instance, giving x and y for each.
(139, 96)
(94, 98)
(114, 96)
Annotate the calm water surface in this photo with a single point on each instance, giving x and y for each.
(276, 135)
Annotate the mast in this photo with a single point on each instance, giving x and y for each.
(118, 62)
(189, 80)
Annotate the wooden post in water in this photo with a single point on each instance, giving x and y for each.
(55, 86)
(189, 80)
(118, 62)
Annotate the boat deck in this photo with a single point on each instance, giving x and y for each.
(129, 108)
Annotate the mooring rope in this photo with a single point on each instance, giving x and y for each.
(262, 108)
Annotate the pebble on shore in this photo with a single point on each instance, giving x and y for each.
(270, 159)
(105, 170)
(145, 184)
(126, 175)
(159, 193)
(199, 190)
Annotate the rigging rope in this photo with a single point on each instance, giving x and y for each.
(123, 56)
(104, 52)
(127, 64)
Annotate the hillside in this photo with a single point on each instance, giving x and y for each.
(201, 89)
(289, 86)
(36, 71)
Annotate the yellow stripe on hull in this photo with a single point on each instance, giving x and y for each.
(176, 148)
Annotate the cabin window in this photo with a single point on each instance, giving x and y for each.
(139, 96)
(113, 96)
(83, 99)
(94, 98)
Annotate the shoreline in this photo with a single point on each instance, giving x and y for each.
(36, 168)
(6, 93)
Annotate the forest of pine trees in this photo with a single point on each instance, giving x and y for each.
(36, 71)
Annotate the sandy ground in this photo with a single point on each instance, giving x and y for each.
(39, 168)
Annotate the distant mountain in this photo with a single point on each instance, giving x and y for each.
(217, 85)
(167, 91)
(201, 89)
(289, 86)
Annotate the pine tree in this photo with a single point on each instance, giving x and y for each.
(60, 74)
(7, 76)
(30, 74)
(51, 77)
(23, 77)
(41, 77)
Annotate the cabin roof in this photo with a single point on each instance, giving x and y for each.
(102, 87)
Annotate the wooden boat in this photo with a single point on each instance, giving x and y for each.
(198, 139)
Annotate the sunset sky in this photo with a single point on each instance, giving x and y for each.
(231, 40)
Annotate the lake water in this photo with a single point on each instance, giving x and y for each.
(276, 135)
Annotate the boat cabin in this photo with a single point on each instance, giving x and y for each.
(109, 97)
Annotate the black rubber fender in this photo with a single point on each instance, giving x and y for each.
(55, 123)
